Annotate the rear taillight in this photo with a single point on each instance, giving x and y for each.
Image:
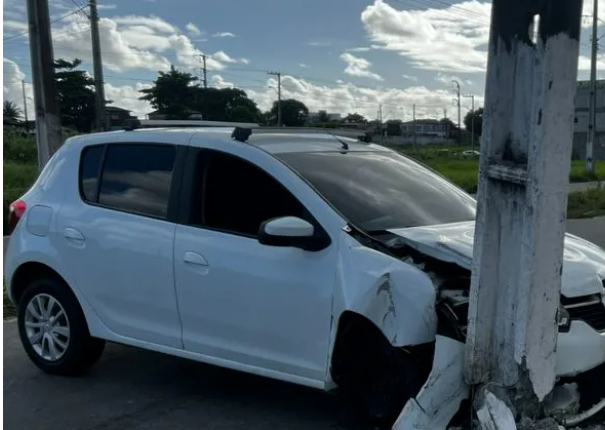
(15, 213)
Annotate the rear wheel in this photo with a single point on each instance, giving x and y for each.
(53, 329)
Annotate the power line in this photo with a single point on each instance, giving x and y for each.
(73, 12)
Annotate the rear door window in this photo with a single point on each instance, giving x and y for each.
(137, 178)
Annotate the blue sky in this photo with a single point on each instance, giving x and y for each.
(339, 55)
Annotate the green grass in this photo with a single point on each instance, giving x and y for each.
(464, 172)
(18, 178)
(586, 204)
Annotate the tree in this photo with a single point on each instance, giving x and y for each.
(355, 118)
(75, 91)
(394, 128)
(225, 104)
(322, 116)
(172, 93)
(10, 112)
(475, 116)
(294, 113)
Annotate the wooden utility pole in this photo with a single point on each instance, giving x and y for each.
(521, 214)
(97, 63)
(48, 120)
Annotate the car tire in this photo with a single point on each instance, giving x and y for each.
(53, 329)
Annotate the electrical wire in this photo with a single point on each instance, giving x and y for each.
(73, 12)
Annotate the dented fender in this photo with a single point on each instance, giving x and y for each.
(397, 297)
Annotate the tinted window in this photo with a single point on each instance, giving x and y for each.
(238, 196)
(137, 178)
(89, 172)
(382, 190)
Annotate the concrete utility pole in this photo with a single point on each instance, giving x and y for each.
(592, 116)
(458, 104)
(24, 104)
(204, 71)
(521, 214)
(48, 121)
(278, 74)
(97, 64)
(414, 124)
(472, 97)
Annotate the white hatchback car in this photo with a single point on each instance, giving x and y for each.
(313, 259)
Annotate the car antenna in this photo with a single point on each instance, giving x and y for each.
(344, 144)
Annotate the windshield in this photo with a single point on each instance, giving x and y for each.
(377, 191)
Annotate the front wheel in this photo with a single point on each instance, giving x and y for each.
(53, 329)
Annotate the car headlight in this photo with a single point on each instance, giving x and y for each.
(563, 319)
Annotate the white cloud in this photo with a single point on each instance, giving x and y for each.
(357, 66)
(587, 12)
(447, 79)
(346, 97)
(359, 49)
(136, 42)
(223, 34)
(584, 63)
(223, 58)
(121, 51)
(15, 25)
(449, 39)
(154, 22)
(11, 89)
(324, 43)
(410, 78)
(219, 82)
(106, 6)
(303, 65)
(127, 97)
(192, 29)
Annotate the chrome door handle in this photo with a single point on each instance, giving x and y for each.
(194, 258)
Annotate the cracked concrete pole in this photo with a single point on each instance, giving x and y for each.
(524, 170)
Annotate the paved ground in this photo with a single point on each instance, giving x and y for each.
(132, 389)
(590, 229)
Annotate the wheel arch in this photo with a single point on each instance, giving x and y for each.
(30, 269)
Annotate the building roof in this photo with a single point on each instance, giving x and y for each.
(116, 109)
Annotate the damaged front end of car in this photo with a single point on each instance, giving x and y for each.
(431, 339)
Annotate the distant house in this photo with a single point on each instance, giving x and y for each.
(425, 127)
(315, 116)
(117, 116)
(159, 115)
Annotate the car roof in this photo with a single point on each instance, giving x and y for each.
(274, 142)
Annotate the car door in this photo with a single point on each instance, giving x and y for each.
(264, 308)
(118, 239)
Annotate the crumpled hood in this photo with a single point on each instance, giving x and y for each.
(583, 265)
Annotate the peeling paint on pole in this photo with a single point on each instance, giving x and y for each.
(524, 170)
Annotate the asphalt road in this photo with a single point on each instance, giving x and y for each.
(133, 389)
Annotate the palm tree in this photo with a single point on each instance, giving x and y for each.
(10, 112)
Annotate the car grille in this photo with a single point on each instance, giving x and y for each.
(590, 310)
